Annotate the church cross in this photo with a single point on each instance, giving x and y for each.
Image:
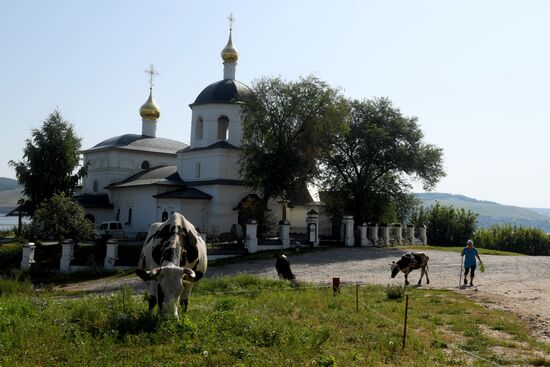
(152, 73)
(231, 20)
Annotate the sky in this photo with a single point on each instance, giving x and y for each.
(475, 73)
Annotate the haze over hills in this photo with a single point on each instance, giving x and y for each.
(489, 212)
(10, 192)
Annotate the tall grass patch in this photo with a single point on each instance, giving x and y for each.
(244, 320)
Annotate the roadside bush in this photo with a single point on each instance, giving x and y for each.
(394, 292)
(524, 240)
(447, 226)
(10, 257)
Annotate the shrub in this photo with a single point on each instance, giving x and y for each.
(524, 240)
(394, 292)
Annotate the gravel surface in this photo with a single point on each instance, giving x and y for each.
(513, 283)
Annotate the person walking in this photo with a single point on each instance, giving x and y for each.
(469, 253)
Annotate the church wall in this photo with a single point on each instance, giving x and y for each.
(210, 114)
(195, 211)
(114, 165)
(214, 164)
(143, 205)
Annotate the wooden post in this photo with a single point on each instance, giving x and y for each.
(335, 286)
(357, 298)
(405, 323)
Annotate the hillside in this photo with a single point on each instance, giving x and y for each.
(8, 184)
(490, 212)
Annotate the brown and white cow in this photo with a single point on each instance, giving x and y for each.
(409, 262)
(172, 259)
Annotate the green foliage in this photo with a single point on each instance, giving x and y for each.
(370, 163)
(61, 217)
(446, 225)
(283, 123)
(524, 240)
(50, 158)
(276, 327)
(10, 257)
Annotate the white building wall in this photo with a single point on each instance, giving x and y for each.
(210, 114)
(214, 164)
(195, 211)
(110, 166)
(142, 203)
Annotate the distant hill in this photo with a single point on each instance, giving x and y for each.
(10, 192)
(8, 184)
(490, 212)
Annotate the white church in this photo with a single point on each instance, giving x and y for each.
(139, 179)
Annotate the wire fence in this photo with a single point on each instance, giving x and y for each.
(358, 296)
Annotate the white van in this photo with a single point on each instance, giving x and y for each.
(112, 230)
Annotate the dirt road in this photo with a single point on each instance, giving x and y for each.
(515, 283)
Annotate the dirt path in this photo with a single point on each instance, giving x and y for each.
(520, 284)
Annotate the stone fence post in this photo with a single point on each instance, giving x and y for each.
(410, 234)
(385, 234)
(284, 233)
(28, 256)
(422, 234)
(364, 239)
(111, 256)
(251, 241)
(374, 233)
(312, 220)
(67, 251)
(349, 240)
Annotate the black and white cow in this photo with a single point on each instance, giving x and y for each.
(282, 265)
(172, 259)
(409, 262)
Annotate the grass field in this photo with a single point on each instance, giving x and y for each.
(247, 321)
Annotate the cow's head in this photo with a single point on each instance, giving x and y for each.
(394, 269)
(170, 283)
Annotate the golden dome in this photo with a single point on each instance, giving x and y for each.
(150, 110)
(230, 53)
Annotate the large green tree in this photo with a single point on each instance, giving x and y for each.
(50, 158)
(283, 124)
(60, 217)
(369, 165)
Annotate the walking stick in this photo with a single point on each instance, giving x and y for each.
(460, 275)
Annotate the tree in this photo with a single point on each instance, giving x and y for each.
(368, 165)
(61, 217)
(447, 225)
(283, 123)
(50, 158)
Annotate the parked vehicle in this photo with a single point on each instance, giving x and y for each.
(111, 229)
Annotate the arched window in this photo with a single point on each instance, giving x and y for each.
(199, 128)
(145, 165)
(197, 169)
(95, 186)
(223, 128)
(117, 216)
(164, 216)
(129, 216)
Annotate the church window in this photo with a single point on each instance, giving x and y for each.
(197, 169)
(129, 216)
(95, 186)
(223, 128)
(145, 165)
(199, 128)
(117, 216)
(164, 216)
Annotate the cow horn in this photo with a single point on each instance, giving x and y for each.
(188, 275)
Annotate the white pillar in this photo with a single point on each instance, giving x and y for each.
(410, 234)
(251, 242)
(348, 231)
(66, 256)
(312, 223)
(364, 239)
(422, 234)
(399, 231)
(374, 234)
(284, 233)
(386, 235)
(229, 69)
(111, 256)
(28, 256)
